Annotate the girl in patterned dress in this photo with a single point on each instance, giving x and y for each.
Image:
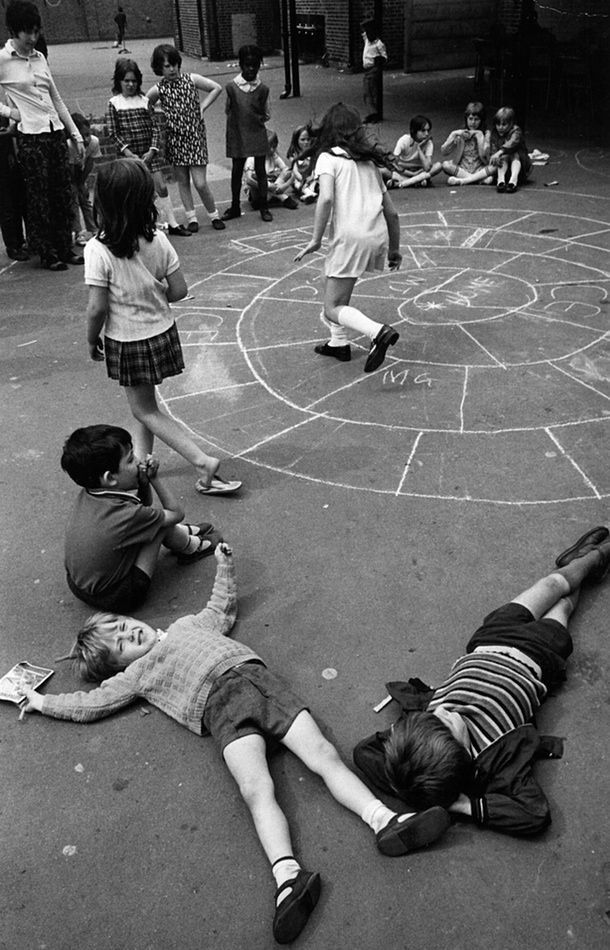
(470, 148)
(185, 144)
(133, 274)
(135, 131)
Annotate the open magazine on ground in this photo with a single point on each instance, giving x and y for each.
(22, 674)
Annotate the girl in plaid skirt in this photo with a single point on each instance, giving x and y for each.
(133, 274)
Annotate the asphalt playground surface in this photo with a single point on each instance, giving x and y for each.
(381, 518)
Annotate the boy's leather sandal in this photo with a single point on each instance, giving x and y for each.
(589, 540)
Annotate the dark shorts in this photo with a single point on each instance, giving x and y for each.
(144, 361)
(250, 700)
(547, 642)
(124, 597)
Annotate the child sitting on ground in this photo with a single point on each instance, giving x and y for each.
(114, 535)
(508, 152)
(279, 177)
(471, 745)
(414, 153)
(210, 683)
(299, 155)
(469, 149)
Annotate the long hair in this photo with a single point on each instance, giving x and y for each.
(124, 205)
(121, 68)
(342, 127)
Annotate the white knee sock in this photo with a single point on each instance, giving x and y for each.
(338, 336)
(165, 205)
(355, 320)
(190, 215)
(376, 815)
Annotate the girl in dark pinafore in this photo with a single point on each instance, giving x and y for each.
(247, 111)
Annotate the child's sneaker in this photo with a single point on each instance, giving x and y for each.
(404, 834)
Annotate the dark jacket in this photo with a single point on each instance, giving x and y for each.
(504, 794)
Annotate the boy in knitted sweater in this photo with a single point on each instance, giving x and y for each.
(210, 683)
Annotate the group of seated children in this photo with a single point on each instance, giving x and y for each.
(286, 181)
(472, 154)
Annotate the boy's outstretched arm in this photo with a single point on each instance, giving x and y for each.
(221, 609)
(113, 694)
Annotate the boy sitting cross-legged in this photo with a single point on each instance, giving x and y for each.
(114, 535)
(469, 745)
(210, 683)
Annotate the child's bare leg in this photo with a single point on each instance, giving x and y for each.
(410, 179)
(183, 177)
(563, 609)
(297, 890)
(337, 295)
(149, 555)
(306, 741)
(144, 408)
(163, 199)
(515, 169)
(143, 439)
(463, 178)
(247, 762)
(395, 834)
(546, 593)
(200, 181)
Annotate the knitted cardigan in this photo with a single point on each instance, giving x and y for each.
(177, 674)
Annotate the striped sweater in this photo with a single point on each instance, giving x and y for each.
(494, 693)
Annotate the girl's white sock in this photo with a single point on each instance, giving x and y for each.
(212, 215)
(165, 205)
(285, 869)
(338, 336)
(376, 815)
(355, 320)
(190, 215)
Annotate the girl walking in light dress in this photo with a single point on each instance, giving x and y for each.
(364, 229)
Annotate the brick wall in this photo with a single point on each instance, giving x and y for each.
(80, 21)
(217, 20)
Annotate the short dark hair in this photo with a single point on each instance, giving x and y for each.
(92, 450)
(121, 68)
(249, 51)
(425, 764)
(22, 15)
(165, 51)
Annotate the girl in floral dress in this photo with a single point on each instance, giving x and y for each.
(186, 145)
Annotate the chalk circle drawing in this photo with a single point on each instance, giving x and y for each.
(498, 390)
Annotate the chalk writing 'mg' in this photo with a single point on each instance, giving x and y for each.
(402, 376)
